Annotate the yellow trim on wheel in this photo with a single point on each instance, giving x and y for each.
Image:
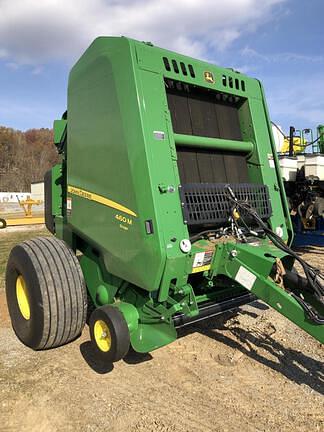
(22, 297)
(102, 335)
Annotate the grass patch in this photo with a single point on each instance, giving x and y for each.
(8, 241)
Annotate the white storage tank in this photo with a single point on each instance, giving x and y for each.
(314, 166)
(288, 166)
(300, 161)
(278, 136)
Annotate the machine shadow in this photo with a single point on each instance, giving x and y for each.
(89, 356)
(307, 249)
(133, 357)
(294, 365)
(100, 367)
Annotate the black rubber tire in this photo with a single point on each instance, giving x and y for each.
(117, 325)
(3, 223)
(56, 292)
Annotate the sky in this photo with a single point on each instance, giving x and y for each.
(279, 42)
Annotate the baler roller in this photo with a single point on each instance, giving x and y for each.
(214, 143)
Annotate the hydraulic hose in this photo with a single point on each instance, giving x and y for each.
(313, 275)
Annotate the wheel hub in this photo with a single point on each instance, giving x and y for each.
(102, 335)
(22, 297)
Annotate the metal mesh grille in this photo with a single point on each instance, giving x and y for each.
(207, 203)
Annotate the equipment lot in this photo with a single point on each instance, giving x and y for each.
(249, 370)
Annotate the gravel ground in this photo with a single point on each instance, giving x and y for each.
(248, 370)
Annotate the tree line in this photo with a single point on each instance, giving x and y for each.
(24, 157)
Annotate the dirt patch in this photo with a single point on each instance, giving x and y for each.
(4, 315)
(250, 370)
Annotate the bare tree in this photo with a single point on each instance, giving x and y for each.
(25, 157)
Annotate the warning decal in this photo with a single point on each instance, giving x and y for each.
(202, 261)
(69, 205)
(245, 278)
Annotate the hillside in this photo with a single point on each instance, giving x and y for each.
(24, 157)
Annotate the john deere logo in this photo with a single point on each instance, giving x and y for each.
(209, 77)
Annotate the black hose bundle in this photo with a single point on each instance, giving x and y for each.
(314, 277)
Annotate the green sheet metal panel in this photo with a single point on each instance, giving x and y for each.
(122, 172)
(107, 160)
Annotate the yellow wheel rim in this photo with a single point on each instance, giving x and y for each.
(102, 335)
(22, 297)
